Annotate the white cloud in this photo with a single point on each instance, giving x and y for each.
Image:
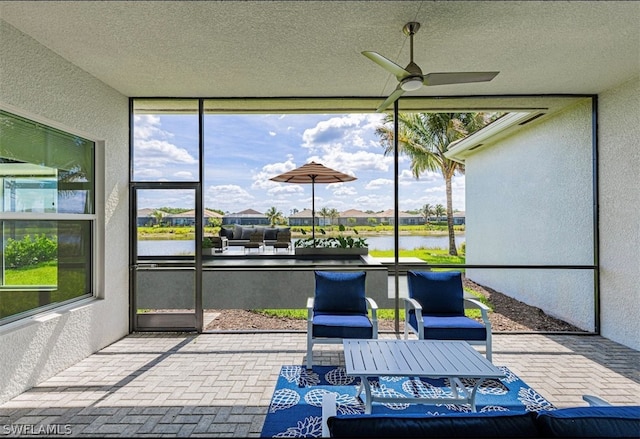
(229, 197)
(347, 131)
(342, 190)
(184, 175)
(379, 183)
(153, 149)
(272, 133)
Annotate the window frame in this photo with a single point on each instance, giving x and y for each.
(95, 220)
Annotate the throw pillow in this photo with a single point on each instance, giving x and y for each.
(237, 231)
(246, 233)
(270, 233)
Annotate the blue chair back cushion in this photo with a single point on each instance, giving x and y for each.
(340, 292)
(489, 424)
(450, 327)
(439, 292)
(598, 421)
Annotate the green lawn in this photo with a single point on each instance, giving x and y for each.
(41, 274)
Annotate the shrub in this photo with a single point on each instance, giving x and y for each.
(29, 251)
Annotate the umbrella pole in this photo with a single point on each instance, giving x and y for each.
(313, 209)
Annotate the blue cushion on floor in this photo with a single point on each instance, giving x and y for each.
(439, 292)
(450, 327)
(342, 326)
(599, 421)
(340, 292)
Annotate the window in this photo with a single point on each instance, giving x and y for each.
(46, 216)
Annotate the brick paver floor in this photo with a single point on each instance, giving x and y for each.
(220, 385)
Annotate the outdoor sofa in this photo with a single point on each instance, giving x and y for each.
(238, 235)
(597, 420)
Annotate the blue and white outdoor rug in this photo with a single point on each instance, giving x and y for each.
(296, 405)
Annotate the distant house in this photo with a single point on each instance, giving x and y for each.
(355, 217)
(404, 218)
(188, 218)
(459, 218)
(246, 217)
(145, 217)
(303, 218)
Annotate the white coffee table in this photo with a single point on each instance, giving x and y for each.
(454, 360)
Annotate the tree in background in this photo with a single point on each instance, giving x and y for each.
(426, 211)
(274, 216)
(325, 213)
(333, 215)
(439, 211)
(425, 138)
(158, 215)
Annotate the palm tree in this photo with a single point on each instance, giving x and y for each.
(439, 211)
(425, 138)
(333, 214)
(324, 213)
(273, 215)
(426, 210)
(158, 215)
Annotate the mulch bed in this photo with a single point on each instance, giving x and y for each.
(509, 315)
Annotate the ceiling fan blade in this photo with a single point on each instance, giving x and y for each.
(386, 64)
(390, 100)
(458, 77)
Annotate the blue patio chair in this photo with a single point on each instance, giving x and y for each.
(435, 308)
(339, 310)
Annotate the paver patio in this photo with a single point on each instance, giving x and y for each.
(220, 385)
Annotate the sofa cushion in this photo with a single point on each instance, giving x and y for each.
(270, 233)
(598, 421)
(246, 233)
(226, 233)
(237, 231)
(488, 424)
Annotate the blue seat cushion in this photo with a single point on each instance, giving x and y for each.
(489, 424)
(599, 421)
(340, 292)
(438, 292)
(450, 327)
(342, 326)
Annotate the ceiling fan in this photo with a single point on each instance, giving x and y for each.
(411, 78)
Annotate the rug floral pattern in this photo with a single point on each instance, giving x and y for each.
(296, 405)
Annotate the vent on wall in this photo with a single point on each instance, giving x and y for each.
(476, 147)
(532, 118)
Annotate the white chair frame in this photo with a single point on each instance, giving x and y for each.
(311, 340)
(469, 303)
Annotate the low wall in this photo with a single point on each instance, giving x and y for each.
(251, 284)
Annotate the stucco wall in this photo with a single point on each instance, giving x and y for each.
(39, 84)
(619, 169)
(529, 202)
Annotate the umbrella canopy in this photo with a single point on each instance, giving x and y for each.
(313, 173)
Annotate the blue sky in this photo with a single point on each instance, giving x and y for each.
(243, 151)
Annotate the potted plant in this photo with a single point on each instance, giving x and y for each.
(207, 245)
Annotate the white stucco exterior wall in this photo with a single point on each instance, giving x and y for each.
(41, 85)
(529, 202)
(619, 160)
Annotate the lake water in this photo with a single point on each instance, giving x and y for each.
(176, 247)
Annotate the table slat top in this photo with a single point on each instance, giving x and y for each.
(426, 358)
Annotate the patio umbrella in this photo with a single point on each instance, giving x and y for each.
(313, 173)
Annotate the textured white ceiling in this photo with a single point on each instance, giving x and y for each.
(312, 48)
